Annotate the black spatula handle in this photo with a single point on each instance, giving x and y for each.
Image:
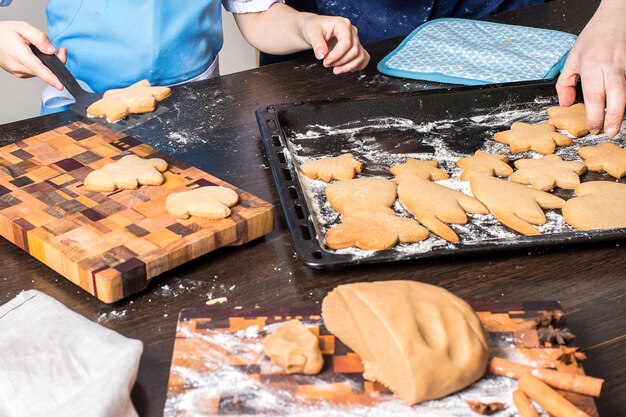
(60, 70)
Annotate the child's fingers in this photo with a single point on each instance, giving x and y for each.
(592, 80)
(35, 37)
(62, 55)
(349, 56)
(566, 84)
(357, 64)
(615, 85)
(36, 67)
(342, 31)
(318, 43)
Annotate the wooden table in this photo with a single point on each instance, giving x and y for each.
(212, 125)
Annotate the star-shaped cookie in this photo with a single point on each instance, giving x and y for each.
(597, 205)
(573, 119)
(342, 167)
(211, 202)
(524, 137)
(128, 173)
(490, 164)
(548, 172)
(606, 157)
(426, 169)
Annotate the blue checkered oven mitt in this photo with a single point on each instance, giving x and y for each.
(470, 52)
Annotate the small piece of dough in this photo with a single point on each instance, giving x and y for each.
(426, 169)
(128, 173)
(573, 119)
(374, 228)
(342, 167)
(597, 205)
(419, 340)
(434, 205)
(490, 164)
(211, 202)
(606, 157)
(523, 137)
(514, 205)
(294, 348)
(548, 172)
(361, 192)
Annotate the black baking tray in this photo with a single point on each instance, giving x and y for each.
(283, 125)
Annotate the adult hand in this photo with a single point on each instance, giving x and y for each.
(336, 41)
(16, 56)
(598, 59)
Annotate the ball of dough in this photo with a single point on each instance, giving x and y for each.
(294, 348)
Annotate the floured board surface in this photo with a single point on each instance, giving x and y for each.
(110, 244)
(218, 368)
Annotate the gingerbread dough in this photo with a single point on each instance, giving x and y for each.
(426, 169)
(523, 137)
(128, 173)
(342, 167)
(211, 202)
(294, 348)
(597, 205)
(494, 165)
(514, 205)
(419, 340)
(548, 172)
(573, 119)
(116, 104)
(606, 157)
(361, 193)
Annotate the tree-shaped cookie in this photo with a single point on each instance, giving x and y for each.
(597, 205)
(116, 104)
(573, 119)
(211, 202)
(548, 172)
(342, 167)
(374, 228)
(514, 205)
(434, 205)
(490, 164)
(361, 193)
(524, 137)
(128, 173)
(606, 157)
(426, 169)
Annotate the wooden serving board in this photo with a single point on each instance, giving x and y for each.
(110, 244)
(218, 368)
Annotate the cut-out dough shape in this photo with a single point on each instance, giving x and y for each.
(211, 202)
(514, 205)
(342, 167)
(597, 205)
(426, 169)
(374, 228)
(128, 173)
(524, 137)
(606, 157)
(573, 119)
(361, 193)
(548, 172)
(490, 164)
(434, 205)
(116, 104)
(294, 348)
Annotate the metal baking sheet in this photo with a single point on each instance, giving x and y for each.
(445, 125)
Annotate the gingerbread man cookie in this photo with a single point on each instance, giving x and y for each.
(524, 137)
(573, 119)
(606, 157)
(128, 173)
(342, 167)
(494, 165)
(211, 202)
(597, 205)
(361, 193)
(426, 169)
(548, 172)
(514, 205)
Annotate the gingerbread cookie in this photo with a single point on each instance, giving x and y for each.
(374, 228)
(434, 205)
(524, 137)
(128, 173)
(342, 167)
(426, 169)
(211, 202)
(573, 119)
(597, 205)
(494, 165)
(548, 172)
(116, 104)
(606, 157)
(360, 193)
(514, 205)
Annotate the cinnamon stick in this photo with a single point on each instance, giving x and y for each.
(549, 399)
(523, 405)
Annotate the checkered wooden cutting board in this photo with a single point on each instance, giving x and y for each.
(110, 244)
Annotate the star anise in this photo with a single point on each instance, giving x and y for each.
(546, 318)
(485, 409)
(551, 334)
(571, 355)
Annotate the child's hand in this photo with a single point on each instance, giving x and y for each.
(334, 40)
(598, 58)
(16, 56)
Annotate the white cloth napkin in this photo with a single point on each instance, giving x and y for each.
(57, 363)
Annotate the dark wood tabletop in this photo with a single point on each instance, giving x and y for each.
(212, 124)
